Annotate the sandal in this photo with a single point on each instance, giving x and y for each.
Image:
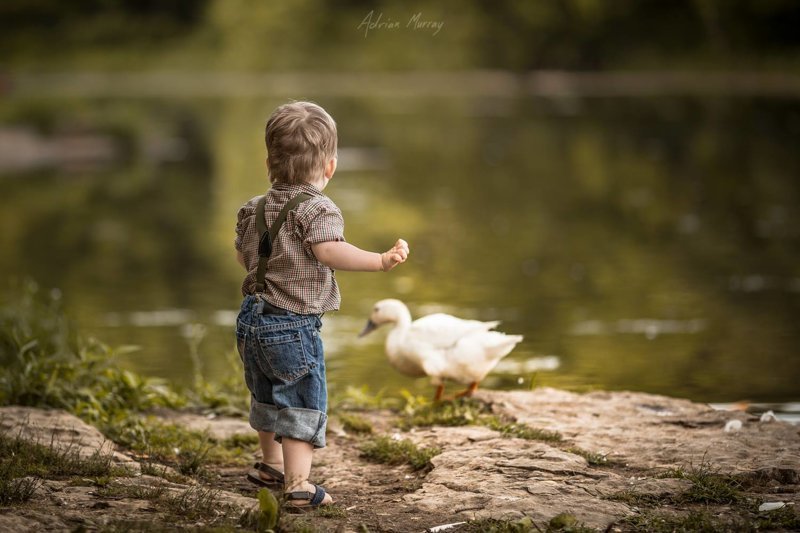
(314, 500)
(277, 476)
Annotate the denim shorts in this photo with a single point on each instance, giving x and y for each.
(284, 368)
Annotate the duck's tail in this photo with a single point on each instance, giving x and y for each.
(497, 345)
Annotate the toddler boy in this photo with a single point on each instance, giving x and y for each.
(278, 325)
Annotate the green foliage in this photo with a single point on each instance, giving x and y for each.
(43, 363)
(466, 411)
(593, 458)
(355, 424)
(567, 522)
(693, 522)
(269, 510)
(708, 487)
(460, 412)
(520, 430)
(22, 462)
(785, 518)
(385, 449)
(563, 522)
(360, 398)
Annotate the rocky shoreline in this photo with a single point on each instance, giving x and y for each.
(602, 461)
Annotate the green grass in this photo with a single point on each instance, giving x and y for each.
(468, 411)
(384, 449)
(355, 423)
(460, 412)
(708, 487)
(698, 521)
(563, 522)
(521, 431)
(23, 462)
(594, 459)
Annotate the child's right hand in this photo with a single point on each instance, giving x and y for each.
(398, 254)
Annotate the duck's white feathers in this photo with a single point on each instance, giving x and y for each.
(444, 331)
(447, 347)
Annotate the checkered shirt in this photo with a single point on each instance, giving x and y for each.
(295, 280)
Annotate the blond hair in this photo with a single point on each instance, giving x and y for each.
(301, 138)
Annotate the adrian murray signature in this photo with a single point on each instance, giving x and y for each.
(415, 23)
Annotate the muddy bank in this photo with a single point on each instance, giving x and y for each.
(624, 461)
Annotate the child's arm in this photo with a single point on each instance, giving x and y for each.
(340, 255)
(240, 258)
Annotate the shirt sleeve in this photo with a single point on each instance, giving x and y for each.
(322, 222)
(245, 211)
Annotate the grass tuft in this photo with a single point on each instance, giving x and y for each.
(355, 424)
(468, 411)
(384, 449)
(699, 521)
(708, 487)
(593, 458)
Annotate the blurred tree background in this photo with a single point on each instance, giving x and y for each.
(640, 223)
(313, 34)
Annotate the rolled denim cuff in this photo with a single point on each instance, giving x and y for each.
(307, 425)
(263, 416)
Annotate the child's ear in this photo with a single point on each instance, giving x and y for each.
(330, 168)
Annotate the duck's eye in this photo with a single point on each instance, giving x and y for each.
(376, 309)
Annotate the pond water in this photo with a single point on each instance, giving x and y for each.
(649, 244)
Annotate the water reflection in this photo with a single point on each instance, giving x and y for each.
(651, 244)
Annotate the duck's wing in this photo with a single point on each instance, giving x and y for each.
(444, 331)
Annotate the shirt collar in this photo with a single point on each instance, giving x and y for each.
(298, 188)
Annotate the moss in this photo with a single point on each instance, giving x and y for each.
(594, 459)
(708, 487)
(360, 398)
(468, 411)
(567, 522)
(460, 412)
(636, 498)
(22, 462)
(694, 521)
(520, 431)
(332, 511)
(785, 518)
(386, 450)
(355, 424)
(563, 522)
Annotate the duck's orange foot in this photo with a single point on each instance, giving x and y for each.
(439, 391)
(470, 390)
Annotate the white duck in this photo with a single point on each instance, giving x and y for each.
(440, 346)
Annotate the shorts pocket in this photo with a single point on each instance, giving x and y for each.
(241, 337)
(282, 355)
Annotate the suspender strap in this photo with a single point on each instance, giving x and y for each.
(266, 238)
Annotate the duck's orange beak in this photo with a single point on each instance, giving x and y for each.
(369, 327)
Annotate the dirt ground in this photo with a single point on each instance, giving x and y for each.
(621, 462)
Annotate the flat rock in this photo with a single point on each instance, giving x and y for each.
(649, 431)
(59, 428)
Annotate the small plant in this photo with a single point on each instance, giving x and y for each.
(707, 486)
(360, 398)
(15, 489)
(695, 521)
(44, 363)
(355, 424)
(493, 525)
(520, 430)
(466, 411)
(785, 518)
(460, 412)
(567, 523)
(594, 459)
(387, 450)
(20, 458)
(331, 511)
